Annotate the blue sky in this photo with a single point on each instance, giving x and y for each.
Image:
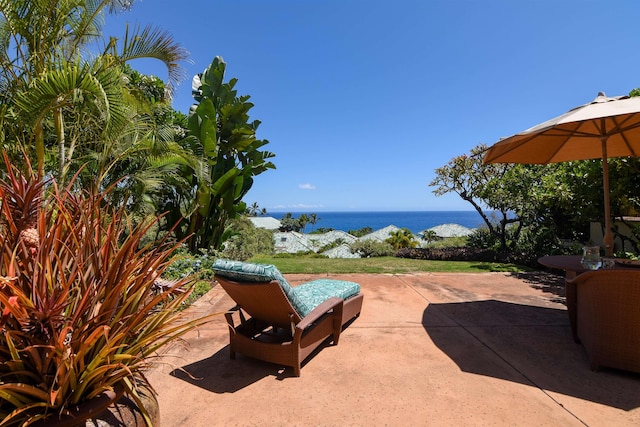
(361, 100)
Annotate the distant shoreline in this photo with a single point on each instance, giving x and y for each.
(415, 221)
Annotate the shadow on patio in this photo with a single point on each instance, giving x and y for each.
(220, 374)
(533, 342)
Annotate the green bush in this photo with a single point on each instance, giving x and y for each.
(402, 238)
(481, 238)
(371, 248)
(331, 245)
(185, 264)
(246, 240)
(361, 231)
(448, 242)
(199, 289)
(531, 243)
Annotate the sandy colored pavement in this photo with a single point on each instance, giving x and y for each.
(445, 349)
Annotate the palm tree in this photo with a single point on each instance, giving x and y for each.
(253, 209)
(313, 220)
(303, 220)
(402, 238)
(429, 236)
(58, 94)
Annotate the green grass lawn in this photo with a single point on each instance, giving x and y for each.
(389, 265)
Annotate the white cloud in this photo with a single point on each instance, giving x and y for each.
(307, 186)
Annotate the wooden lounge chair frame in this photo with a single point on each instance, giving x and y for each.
(268, 328)
(607, 317)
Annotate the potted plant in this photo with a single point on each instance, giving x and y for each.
(80, 322)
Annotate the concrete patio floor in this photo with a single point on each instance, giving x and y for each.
(441, 349)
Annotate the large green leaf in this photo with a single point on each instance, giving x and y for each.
(202, 124)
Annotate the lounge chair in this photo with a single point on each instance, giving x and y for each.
(607, 317)
(286, 323)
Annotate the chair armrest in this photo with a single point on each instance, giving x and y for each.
(332, 304)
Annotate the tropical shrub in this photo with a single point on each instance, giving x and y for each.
(80, 316)
(289, 223)
(525, 246)
(361, 231)
(331, 245)
(402, 238)
(369, 248)
(245, 240)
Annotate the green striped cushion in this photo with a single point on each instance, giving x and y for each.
(249, 272)
(314, 293)
(242, 271)
(303, 298)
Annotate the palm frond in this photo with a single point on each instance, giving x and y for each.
(152, 42)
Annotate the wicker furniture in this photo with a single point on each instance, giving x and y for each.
(607, 317)
(278, 323)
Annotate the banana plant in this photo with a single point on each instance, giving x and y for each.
(231, 155)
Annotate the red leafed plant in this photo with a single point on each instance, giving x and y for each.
(79, 316)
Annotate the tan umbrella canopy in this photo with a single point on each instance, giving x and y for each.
(606, 127)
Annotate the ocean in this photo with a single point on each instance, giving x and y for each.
(414, 221)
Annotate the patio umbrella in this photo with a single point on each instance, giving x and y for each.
(606, 127)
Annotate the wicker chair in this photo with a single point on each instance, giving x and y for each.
(281, 324)
(607, 317)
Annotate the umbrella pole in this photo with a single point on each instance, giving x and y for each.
(608, 232)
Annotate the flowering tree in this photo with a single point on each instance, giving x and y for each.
(518, 195)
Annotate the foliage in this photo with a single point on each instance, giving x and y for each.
(626, 255)
(331, 245)
(70, 101)
(230, 156)
(246, 240)
(361, 231)
(321, 230)
(371, 248)
(538, 205)
(79, 315)
(289, 223)
(429, 236)
(197, 267)
(64, 104)
(402, 238)
(185, 264)
(529, 245)
(470, 178)
(523, 198)
(313, 220)
(200, 288)
(444, 242)
(482, 238)
(255, 210)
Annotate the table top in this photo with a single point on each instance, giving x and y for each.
(571, 263)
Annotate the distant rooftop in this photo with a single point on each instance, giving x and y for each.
(450, 230)
(382, 234)
(293, 242)
(268, 222)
